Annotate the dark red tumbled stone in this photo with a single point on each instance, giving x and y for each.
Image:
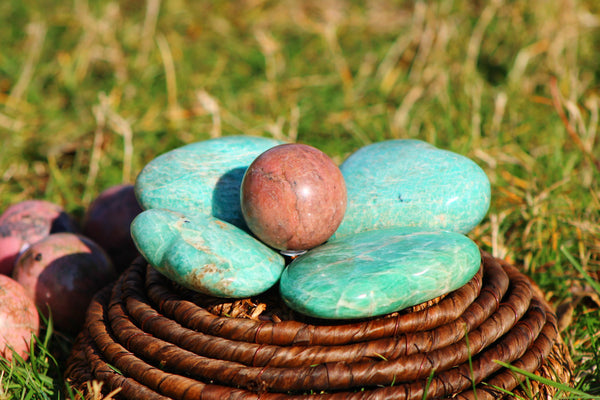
(293, 197)
(107, 223)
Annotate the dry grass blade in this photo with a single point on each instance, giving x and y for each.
(174, 109)
(556, 101)
(210, 104)
(37, 34)
(147, 33)
(3, 394)
(94, 392)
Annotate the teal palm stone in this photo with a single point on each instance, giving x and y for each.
(203, 176)
(206, 254)
(412, 183)
(378, 272)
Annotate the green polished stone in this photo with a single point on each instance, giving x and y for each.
(378, 272)
(201, 177)
(206, 254)
(408, 182)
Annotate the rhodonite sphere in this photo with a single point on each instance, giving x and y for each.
(293, 197)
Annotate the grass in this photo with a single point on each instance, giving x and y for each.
(90, 91)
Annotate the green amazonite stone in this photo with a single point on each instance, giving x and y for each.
(412, 183)
(206, 254)
(201, 177)
(378, 272)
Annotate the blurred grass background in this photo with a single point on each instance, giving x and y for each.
(90, 91)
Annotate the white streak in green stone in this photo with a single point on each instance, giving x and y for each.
(377, 272)
(201, 177)
(205, 254)
(412, 183)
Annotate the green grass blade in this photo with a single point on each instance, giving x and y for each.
(549, 382)
(593, 283)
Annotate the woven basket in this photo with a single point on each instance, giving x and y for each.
(156, 340)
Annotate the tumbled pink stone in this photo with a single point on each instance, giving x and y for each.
(293, 197)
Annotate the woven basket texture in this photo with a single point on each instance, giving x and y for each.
(156, 340)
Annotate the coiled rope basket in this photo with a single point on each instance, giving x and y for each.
(155, 340)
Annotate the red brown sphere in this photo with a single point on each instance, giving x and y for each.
(293, 197)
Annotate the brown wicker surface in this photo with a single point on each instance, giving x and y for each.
(156, 340)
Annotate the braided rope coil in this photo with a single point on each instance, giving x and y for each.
(155, 340)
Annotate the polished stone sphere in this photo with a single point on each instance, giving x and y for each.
(293, 197)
